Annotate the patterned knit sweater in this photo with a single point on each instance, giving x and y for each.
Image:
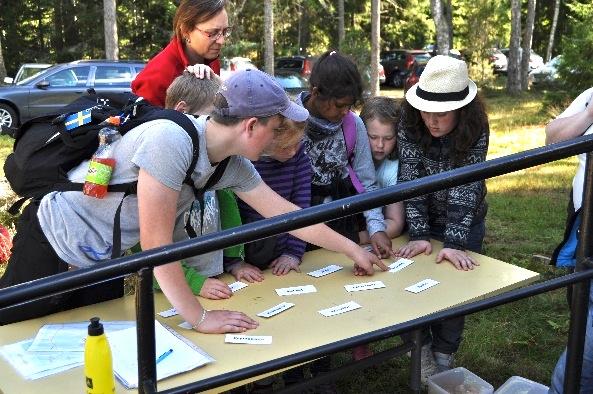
(446, 214)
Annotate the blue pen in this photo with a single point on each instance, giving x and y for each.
(164, 356)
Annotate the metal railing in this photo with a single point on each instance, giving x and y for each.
(143, 263)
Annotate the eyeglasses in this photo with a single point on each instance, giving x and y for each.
(216, 34)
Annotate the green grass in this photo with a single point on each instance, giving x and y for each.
(526, 217)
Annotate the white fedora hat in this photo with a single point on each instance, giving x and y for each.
(443, 86)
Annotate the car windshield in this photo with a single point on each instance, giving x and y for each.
(291, 81)
(289, 63)
(36, 74)
(422, 56)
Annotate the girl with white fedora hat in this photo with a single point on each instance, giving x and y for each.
(443, 126)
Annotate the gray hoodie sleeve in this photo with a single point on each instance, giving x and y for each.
(362, 164)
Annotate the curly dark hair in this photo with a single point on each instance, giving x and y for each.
(473, 120)
(336, 76)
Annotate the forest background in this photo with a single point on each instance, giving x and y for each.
(55, 31)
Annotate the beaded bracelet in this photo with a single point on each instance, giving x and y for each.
(204, 312)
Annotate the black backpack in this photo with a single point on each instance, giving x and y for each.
(44, 151)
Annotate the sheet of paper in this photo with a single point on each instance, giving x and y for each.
(248, 339)
(35, 365)
(365, 286)
(237, 286)
(330, 269)
(169, 313)
(296, 290)
(70, 337)
(276, 309)
(338, 309)
(399, 264)
(185, 356)
(422, 285)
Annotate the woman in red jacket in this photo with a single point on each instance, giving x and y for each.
(201, 28)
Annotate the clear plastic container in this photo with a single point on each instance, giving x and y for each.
(519, 385)
(458, 381)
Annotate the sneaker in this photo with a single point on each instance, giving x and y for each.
(444, 361)
(428, 366)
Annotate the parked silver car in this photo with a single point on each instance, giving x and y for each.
(545, 74)
(50, 90)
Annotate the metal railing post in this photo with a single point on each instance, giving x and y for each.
(145, 332)
(580, 295)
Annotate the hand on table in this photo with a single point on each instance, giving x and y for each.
(201, 71)
(246, 271)
(284, 264)
(414, 248)
(364, 261)
(220, 322)
(382, 245)
(459, 258)
(215, 289)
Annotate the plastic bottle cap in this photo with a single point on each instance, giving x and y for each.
(95, 328)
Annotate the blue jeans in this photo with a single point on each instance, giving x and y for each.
(557, 384)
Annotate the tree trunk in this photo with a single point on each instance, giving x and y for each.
(441, 26)
(2, 67)
(526, 44)
(269, 36)
(553, 30)
(375, 45)
(110, 27)
(513, 70)
(305, 36)
(341, 31)
(448, 12)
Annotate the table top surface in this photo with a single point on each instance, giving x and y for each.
(300, 327)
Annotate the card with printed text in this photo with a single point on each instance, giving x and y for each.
(339, 309)
(248, 339)
(276, 309)
(169, 313)
(399, 264)
(422, 285)
(296, 290)
(365, 286)
(237, 286)
(330, 269)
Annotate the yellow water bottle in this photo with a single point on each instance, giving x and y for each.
(98, 367)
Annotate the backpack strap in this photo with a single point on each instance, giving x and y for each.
(199, 194)
(349, 131)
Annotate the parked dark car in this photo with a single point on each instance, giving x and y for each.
(300, 64)
(414, 75)
(291, 81)
(398, 64)
(61, 84)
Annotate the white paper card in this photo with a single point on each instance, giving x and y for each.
(422, 285)
(399, 264)
(336, 310)
(249, 339)
(365, 286)
(169, 312)
(296, 290)
(325, 271)
(237, 286)
(276, 309)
